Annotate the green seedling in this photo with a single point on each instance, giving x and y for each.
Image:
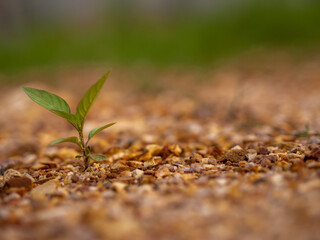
(305, 133)
(60, 107)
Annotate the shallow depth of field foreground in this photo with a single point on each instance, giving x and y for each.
(227, 158)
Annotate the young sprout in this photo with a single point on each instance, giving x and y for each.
(61, 108)
(305, 133)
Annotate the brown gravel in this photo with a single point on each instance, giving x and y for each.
(217, 160)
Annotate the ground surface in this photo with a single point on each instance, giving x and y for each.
(213, 160)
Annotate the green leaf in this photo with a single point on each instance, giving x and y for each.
(69, 139)
(89, 98)
(98, 129)
(53, 103)
(47, 100)
(98, 157)
(70, 117)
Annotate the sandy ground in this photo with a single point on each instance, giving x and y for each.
(217, 155)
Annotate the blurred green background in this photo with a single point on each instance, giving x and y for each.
(43, 33)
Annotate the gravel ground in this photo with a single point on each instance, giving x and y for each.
(228, 158)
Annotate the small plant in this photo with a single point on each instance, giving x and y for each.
(305, 133)
(61, 108)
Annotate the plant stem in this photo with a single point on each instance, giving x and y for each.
(83, 148)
